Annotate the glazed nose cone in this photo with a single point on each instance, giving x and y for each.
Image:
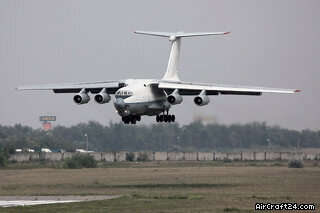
(119, 103)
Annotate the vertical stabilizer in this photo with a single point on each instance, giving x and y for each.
(172, 68)
(175, 38)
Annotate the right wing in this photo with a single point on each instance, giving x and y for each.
(191, 88)
(93, 87)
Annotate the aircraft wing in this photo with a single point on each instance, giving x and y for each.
(190, 88)
(93, 87)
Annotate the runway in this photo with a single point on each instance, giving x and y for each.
(9, 201)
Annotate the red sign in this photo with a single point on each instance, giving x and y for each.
(46, 126)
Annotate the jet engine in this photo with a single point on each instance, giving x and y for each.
(82, 97)
(201, 100)
(102, 97)
(174, 98)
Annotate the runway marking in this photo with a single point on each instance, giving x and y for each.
(10, 201)
(30, 203)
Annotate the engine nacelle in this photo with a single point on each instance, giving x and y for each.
(102, 97)
(201, 100)
(82, 97)
(174, 99)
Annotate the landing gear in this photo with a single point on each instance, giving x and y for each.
(131, 119)
(165, 117)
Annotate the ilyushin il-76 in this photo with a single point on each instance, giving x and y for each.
(153, 97)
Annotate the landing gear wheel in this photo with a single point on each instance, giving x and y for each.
(157, 118)
(165, 118)
(138, 118)
(173, 118)
(169, 118)
(125, 120)
(133, 120)
(161, 118)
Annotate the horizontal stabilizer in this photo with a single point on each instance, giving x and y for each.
(179, 34)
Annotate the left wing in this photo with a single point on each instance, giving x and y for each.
(93, 87)
(190, 88)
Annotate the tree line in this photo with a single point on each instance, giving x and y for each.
(159, 137)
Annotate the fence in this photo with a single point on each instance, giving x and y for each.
(172, 156)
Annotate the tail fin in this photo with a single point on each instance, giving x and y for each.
(172, 72)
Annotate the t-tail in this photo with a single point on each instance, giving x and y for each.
(175, 38)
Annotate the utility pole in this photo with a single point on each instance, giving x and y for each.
(86, 135)
(178, 143)
(268, 140)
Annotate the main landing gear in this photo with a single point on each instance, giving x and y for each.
(131, 119)
(165, 117)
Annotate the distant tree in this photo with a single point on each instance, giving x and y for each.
(157, 137)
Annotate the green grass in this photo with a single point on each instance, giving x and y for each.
(171, 186)
(152, 164)
(167, 186)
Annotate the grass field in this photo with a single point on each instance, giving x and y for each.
(167, 186)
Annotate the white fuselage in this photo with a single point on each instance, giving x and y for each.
(140, 97)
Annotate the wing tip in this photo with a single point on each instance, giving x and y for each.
(227, 32)
(298, 90)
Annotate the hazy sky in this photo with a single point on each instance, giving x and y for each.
(272, 44)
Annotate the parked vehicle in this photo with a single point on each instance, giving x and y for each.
(42, 150)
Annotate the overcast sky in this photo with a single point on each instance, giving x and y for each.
(271, 44)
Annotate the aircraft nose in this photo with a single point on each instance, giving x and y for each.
(119, 103)
(121, 107)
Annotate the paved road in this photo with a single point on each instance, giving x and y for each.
(8, 201)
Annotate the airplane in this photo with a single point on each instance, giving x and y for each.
(153, 97)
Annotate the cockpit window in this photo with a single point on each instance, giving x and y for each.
(123, 94)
